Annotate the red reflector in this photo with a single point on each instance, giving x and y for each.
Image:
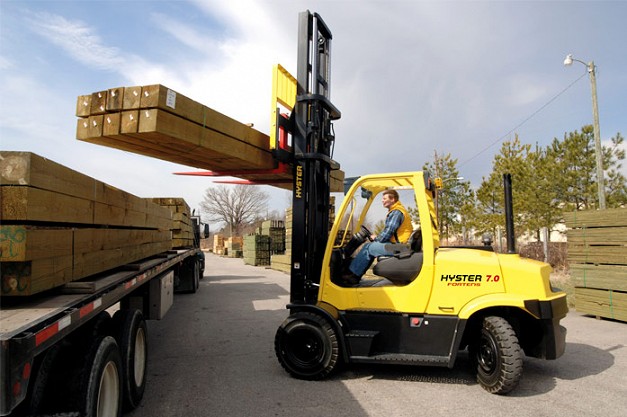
(26, 371)
(45, 334)
(85, 310)
(17, 388)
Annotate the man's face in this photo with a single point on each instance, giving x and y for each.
(388, 200)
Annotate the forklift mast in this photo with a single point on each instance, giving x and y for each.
(312, 144)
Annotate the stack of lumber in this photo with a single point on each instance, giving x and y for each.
(58, 225)
(276, 230)
(156, 121)
(257, 250)
(182, 227)
(283, 262)
(597, 256)
(233, 247)
(218, 244)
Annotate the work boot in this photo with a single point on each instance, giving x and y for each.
(350, 279)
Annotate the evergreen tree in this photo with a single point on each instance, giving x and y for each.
(575, 162)
(452, 197)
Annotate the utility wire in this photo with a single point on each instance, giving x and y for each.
(524, 121)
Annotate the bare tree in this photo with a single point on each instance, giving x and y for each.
(235, 206)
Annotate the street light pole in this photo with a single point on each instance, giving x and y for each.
(595, 125)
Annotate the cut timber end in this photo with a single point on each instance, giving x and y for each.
(98, 103)
(111, 124)
(132, 98)
(83, 106)
(115, 99)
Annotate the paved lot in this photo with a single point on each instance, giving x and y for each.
(213, 355)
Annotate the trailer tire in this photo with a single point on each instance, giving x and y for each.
(497, 356)
(307, 346)
(99, 393)
(131, 335)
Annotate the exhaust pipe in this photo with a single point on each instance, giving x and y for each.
(509, 214)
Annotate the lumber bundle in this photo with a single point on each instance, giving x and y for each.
(156, 121)
(597, 256)
(257, 250)
(281, 261)
(233, 247)
(58, 225)
(276, 230)
(182, 227)
(218, 244)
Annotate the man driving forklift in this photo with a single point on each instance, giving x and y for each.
(398, 229)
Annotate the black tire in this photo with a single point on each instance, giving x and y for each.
(132, 336)
(197, 274)
(497, 356)
(99, 390)
(189, 276)
(307, 346)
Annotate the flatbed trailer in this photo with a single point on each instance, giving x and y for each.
(61, 351)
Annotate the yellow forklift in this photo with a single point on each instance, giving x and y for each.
(422, 305)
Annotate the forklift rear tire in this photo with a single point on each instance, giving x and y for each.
(497, 356)
(307, 346)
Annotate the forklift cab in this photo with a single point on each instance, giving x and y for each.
(350, 233)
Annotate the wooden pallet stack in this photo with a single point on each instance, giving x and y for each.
(182, 227)
(58, 225)
(156, 121)
(597, 257)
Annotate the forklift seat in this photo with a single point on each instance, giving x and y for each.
(404, 266)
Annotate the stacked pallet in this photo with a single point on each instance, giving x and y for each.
(276, 230)
(597, 256)
(59, 225)
(156, 121)
(257, 250)
(182, 227)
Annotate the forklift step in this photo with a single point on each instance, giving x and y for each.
(360, 341)
(403, 358)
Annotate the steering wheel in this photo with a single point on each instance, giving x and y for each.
(364, 234)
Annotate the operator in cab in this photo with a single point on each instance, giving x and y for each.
(398, 229)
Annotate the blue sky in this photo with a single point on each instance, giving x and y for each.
(410, 77)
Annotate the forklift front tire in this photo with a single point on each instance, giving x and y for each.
(307, 346)
(497, 356)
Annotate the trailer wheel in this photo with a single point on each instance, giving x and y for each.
(131, 335)
(307, 346)
(99, 389)
(497, 356)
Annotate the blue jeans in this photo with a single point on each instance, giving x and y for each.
(366, 255)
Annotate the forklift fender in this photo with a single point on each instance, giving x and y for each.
(491, 300)
(335, 323)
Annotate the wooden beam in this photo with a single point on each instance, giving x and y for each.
(172, 127)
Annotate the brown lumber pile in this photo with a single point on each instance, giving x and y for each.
(156, 121)
(58, 225)
(597, 257)
(182, 227)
